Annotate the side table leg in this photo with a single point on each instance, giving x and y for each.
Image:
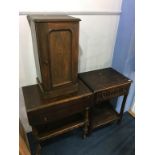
(38, 146)
(86, 123)
(122, 109)
(38, 149)
(90, 127)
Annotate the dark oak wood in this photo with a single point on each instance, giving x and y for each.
(122, 108)
(61, 102)
(41, 111)
(86, 125)
(105, 84)
(89, 107)
(56, 128)
(52, 18)
(103, 114)
(56, 45)
(54, 116)
(105, 80)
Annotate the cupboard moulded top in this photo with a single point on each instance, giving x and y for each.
(47, 18)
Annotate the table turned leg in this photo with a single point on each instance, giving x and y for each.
(38, 149)
(122, 109)
(38, 146)
(85, 132)
(90, 126)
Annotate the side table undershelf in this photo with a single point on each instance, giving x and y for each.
(50, 130)
(103, 114)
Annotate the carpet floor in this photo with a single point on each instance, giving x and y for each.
(111, 140)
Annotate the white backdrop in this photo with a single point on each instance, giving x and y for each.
(70, 5)
(97, 40)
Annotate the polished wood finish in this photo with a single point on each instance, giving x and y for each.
(56, 128)
(41, 111)
(106, 84)
(51, 117)
(122, 108)
(107, 80)
(103, 114)
(86, 125)
(61, 101)
(56, 45)
(89, 107)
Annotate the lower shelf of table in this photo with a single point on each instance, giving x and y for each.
(59, 127)
(103, 114)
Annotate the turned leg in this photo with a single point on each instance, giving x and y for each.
(38, 146)
(90, 127)
(122, 109)
(38, 149)
(86, 123)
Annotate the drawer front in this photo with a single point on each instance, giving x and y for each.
(58, 112)
(112, 92)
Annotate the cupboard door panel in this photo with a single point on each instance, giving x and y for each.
(60, 52)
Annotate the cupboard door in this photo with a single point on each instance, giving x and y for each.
(60, 52)
(58, 45)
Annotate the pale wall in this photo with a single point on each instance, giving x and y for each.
(70, 5)
(97, 40)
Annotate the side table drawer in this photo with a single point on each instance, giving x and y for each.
(56, 112)
(112, 92)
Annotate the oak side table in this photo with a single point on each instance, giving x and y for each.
(105, 84)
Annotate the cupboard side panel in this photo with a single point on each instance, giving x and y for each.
(42, 40)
